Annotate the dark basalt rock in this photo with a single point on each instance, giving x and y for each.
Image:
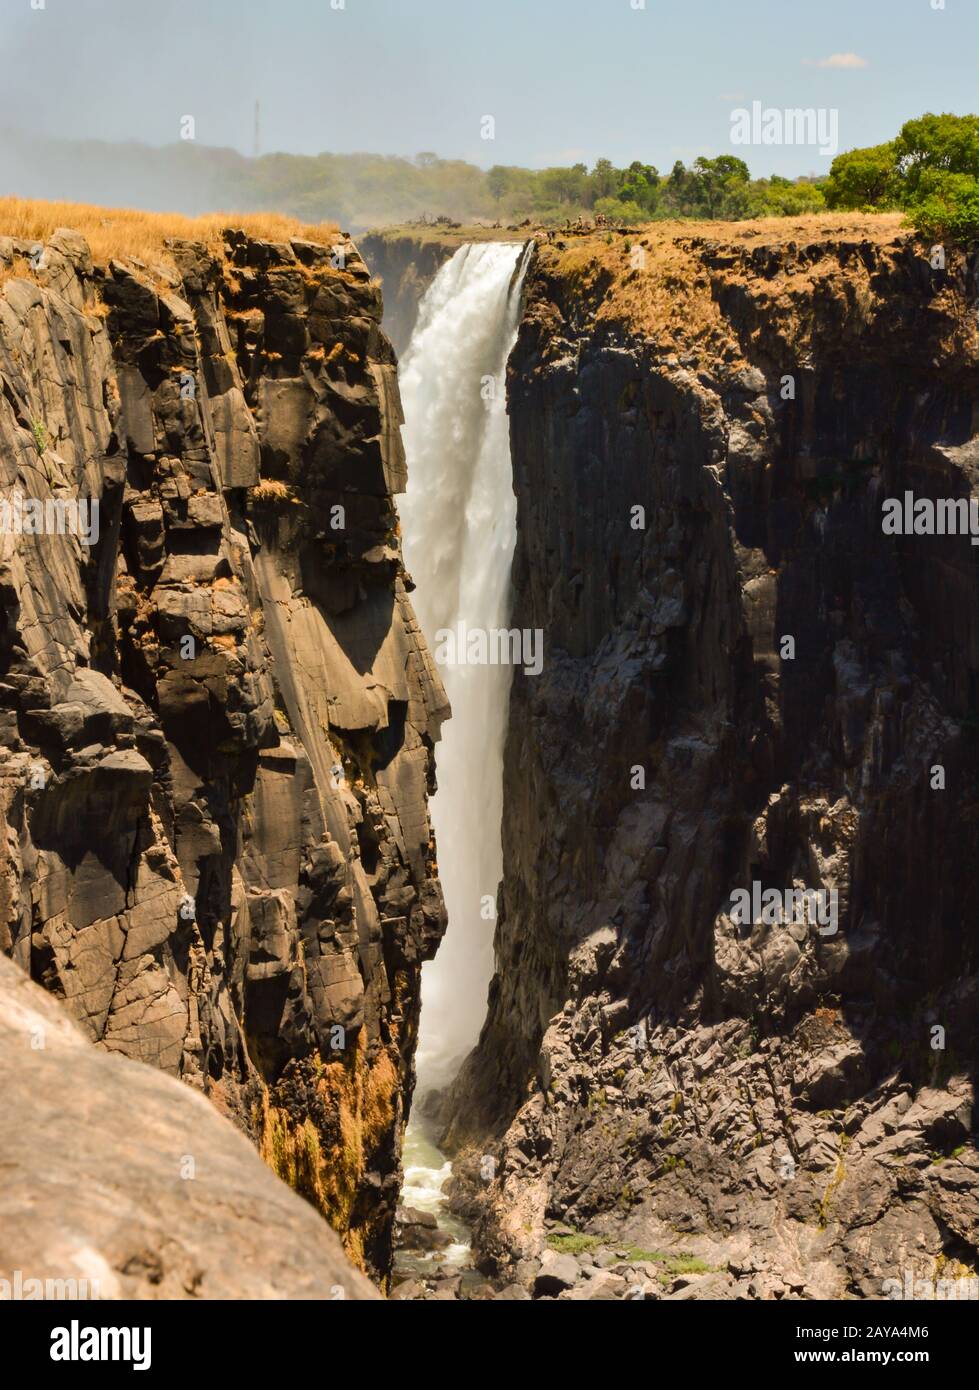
(649, 1071)
(419, 1230)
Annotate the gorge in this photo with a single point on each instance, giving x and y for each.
(683, 436)
(458, 518)
(704, 429)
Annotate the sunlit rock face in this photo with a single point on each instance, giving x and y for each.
(702, 437)
(217, 720)
(122, 1183)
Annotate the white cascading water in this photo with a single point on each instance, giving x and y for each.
(459, 529)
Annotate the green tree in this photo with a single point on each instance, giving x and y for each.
(623, 212)
(778, 197)
(497, 181)
(946, 143)
(864, 178)
(678, 193)
(641, 186)
(562, 187)
(721, 185)
(931, 170)
(605, 179)
(678, 176)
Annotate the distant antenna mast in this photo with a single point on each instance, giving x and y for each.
(258, 129)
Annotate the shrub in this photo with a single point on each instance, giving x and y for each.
(946, 206)
(573, 1245)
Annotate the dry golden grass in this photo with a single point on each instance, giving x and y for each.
(874, 226)
(671, 295)
(271, 492)
(127, 233)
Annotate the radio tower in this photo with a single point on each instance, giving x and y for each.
(258, 130)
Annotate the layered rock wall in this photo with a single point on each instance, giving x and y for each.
(704, 427)
(217, 722)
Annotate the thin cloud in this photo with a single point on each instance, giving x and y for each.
(837, 60)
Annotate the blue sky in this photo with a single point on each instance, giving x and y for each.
(564, 79)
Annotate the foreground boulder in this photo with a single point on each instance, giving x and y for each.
(130, 1183)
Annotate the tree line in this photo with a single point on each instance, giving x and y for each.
(930, 171)
(720, 187)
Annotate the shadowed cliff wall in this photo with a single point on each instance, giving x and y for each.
(768, 1096)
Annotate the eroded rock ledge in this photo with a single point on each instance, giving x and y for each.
(216, 725)
(763, 1105)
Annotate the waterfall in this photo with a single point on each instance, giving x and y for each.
(458, 524)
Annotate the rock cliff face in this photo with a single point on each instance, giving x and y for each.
(771, 1100)
(217, 722)
(406, 263)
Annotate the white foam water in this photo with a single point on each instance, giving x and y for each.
(459, 529)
